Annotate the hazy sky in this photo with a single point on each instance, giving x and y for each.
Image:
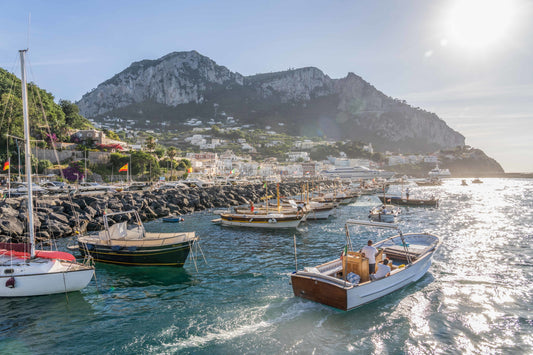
(470, 61)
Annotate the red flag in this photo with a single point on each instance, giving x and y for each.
(6, 165)
(124, 168)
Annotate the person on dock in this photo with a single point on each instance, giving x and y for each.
(370, 253)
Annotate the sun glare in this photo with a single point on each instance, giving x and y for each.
(478, 24)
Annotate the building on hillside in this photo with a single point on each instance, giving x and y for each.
(295, 156)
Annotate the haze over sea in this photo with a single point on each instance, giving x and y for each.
(476, 297)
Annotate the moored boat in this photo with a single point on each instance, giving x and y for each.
(397, 200)
(345, 283)
(133, 246)
(25, 271)
(267, 220)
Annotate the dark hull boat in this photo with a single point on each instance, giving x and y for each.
(121, 245)
(395, 200)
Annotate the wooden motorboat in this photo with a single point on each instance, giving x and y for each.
(397, 200)
(329, 283)
(477, 181)
(271, 220)
(133, 246)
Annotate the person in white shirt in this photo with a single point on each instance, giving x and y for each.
(370, 253)
(383, 271)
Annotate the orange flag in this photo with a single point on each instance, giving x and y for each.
(6, 165)
(124, 168)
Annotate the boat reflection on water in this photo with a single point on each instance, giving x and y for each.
(117, 276)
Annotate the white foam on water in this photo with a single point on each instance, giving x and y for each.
(224, 335)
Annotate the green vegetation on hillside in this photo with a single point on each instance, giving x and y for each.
(48, 120)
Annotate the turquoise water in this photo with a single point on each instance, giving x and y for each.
(476, 297)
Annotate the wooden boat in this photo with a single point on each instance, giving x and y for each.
(271, 220)
(133, 246)
(25, 271)
(384, 213)
(173, 219)
(329, 283)
(477, 181)
(397, 200)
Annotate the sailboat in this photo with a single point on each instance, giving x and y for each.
(25, 271)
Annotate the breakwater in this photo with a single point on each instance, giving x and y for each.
(63, 216)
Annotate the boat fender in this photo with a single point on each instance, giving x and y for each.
(251, 220)
(272, 220)
(10, 283)
(399, 267)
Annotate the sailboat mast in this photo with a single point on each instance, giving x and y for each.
(27, 150)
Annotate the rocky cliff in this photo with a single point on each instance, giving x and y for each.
(307, 102)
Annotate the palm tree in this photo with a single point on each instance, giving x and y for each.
(171, 153)
(150, 143)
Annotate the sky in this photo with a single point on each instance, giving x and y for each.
(468, 61)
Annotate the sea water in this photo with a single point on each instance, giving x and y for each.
(475, 299)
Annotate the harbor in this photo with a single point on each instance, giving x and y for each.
(240, 300)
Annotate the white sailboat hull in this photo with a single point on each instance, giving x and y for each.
(43, 277)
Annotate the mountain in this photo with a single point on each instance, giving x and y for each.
(303, 101)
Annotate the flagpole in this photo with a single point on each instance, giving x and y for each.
(9, 177)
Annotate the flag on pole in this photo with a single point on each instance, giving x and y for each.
(265, 185)
(124, 168)
(344, 252)
(189, 170)
(6, 165)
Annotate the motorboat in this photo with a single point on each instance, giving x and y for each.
(345, 282)
(436, 172)
(403, 201)
(271, 220)
(477, 181)
(384, 213)
(130, 244)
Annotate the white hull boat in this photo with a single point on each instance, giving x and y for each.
(328, 284)
(21, 278)
(266, 221)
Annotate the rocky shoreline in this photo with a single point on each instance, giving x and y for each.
(64, 216)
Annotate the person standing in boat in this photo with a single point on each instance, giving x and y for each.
(407, 194)
(370, 253)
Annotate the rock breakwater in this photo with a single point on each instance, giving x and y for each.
(64, 216)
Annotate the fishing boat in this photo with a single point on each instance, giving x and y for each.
(345, 283)
(25, 271)
(384, 213)
(477, 181)
(402, 201)
(131, 245)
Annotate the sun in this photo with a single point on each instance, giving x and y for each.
(479, 24)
